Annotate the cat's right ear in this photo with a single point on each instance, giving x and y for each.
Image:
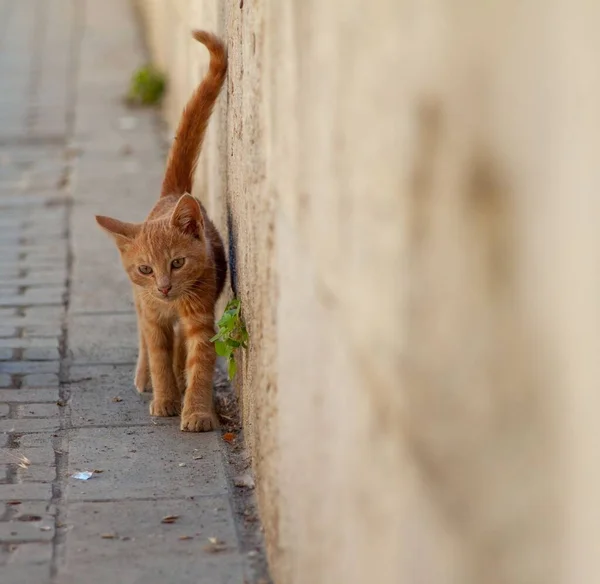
(123, 233)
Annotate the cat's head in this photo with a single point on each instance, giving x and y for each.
(166, 256)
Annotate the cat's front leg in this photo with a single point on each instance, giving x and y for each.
(142, 370)
(159, 341)
(198, 413)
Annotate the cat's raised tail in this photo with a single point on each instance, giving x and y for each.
(194, 120)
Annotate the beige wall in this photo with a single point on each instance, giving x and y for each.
(414, 190)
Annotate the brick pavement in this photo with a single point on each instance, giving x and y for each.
(69, 149)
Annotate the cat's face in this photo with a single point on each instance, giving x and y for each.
(164, 257)
(163, 261)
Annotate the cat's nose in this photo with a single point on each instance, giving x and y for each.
(165, 290)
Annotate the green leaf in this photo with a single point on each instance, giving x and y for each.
(222, 349)
(231, 369)
(231, 334)
(225, 319)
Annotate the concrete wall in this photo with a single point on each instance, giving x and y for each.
(413, 190)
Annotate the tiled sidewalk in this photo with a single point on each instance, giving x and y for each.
(69, 148)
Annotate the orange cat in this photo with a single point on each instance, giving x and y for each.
(176, 262)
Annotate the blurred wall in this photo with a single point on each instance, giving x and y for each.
(412, 190)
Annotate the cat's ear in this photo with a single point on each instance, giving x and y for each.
(187, 216)
(123, 233)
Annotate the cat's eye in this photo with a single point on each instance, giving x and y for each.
(146, 270)
(177, 263)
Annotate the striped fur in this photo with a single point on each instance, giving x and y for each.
(176, 262)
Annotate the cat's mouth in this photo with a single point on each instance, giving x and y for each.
(167, 298)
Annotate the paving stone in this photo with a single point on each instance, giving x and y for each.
(6, 313)
(30, 367)
(40, 380)
(6, 354)
(94, 339)
(146, 550)
(95, 392)
(39, 440)
(34, 296)
(17, 530)
(26, 574)
(22, 555)
(44, 314)
(19, 343)
(41, 454)
(4, 410)
(37, 473)
(8, 331)
(42, 508)
(29, 320)
(50, 279)
(26, 492)
(41, 354)
(110, 293)
(8, 425)
(133, 459)
(42, 331)
(5, 380)
(38, 411)
(36, 396)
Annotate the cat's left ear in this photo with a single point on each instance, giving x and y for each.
(187, 216)
(123, 233)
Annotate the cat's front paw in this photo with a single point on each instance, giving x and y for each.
(165, 407)
(198, 421)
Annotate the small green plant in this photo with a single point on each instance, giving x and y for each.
(147, 86)
(231, 335)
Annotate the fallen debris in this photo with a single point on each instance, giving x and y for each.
(244, 481)
(215, 546)
(20, 459)
(83, 476)
(29, 518)
(170, 519)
